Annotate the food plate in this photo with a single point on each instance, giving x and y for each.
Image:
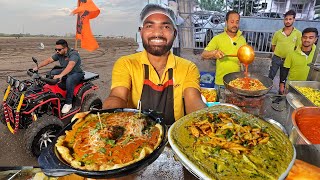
(261, 161)
(52, 164)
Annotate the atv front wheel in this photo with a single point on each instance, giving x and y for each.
(41, 133)
(91, 101)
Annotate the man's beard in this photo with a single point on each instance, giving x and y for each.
(289, 25)
(157, 50)
(232, 30)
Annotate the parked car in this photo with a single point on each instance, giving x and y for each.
(206, 26)
(270, 15)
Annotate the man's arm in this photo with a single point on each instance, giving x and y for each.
(44, 63)
(284, 71)
(192, 100)
(68, 69)
(118, 98)
(215, 54)
(273, 47)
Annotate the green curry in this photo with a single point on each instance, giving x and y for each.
(264, 161)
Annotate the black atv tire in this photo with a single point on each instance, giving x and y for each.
(44, 126)
(91, 101)
(2, 119)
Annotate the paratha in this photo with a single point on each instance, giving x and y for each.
(100, 142)
(221, 151)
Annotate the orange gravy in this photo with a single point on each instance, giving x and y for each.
(310, 128)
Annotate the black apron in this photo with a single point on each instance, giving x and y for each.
(158, 97)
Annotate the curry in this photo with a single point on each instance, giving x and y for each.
(247, 83)
(229, 144)
(309, 127)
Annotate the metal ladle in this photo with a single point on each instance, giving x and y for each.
(245, 54)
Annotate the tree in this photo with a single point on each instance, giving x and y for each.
(212, 5)
(245, 7)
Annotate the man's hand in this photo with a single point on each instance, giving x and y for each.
(57, 77)
(281, 88)
(35, 69)
(218, 54)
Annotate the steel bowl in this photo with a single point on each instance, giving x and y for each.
(52, 164)
(267, 82)
(296, 136)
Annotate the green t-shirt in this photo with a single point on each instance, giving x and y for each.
(228, 46)
(298, 62)
(284, 43)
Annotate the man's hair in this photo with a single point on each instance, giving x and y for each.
(231, 12)
(310, 29)
(62, 42)
(290, 13)
(150, 9)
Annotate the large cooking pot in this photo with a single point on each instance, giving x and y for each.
(299, 115)
(52, 163)
(267, 82)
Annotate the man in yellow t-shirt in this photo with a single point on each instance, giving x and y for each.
(284, 41)
(296, 63)
(226, 43)
(155, 78)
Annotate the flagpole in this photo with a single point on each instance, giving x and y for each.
(76, 40)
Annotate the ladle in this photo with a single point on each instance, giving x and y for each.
(245, 54)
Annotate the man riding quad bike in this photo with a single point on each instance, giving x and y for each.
(35, 105)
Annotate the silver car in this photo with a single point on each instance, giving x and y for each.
(206, 26)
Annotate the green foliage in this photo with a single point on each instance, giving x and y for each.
(212, 5)
(245, 7)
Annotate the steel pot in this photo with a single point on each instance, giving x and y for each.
(296, 136)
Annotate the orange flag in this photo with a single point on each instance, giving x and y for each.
(86, 10)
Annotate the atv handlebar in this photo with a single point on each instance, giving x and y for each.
(34, 74)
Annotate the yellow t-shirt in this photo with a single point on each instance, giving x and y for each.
(128, 71)
(297, 62)
(228, 46)
(284, 43)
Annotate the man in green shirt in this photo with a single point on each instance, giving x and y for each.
(296, 63)
(226, 43)
(284, 41)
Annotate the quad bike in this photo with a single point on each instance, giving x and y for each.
(35, 105)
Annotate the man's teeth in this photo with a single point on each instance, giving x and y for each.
(157, 40)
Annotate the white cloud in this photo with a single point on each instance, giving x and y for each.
(117, 17)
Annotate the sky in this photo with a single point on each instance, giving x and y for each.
(52, 17)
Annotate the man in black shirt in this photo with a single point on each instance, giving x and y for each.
(71, 72)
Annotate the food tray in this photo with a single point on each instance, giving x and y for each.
(298, 95)
(52, 164)
(193, 166)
